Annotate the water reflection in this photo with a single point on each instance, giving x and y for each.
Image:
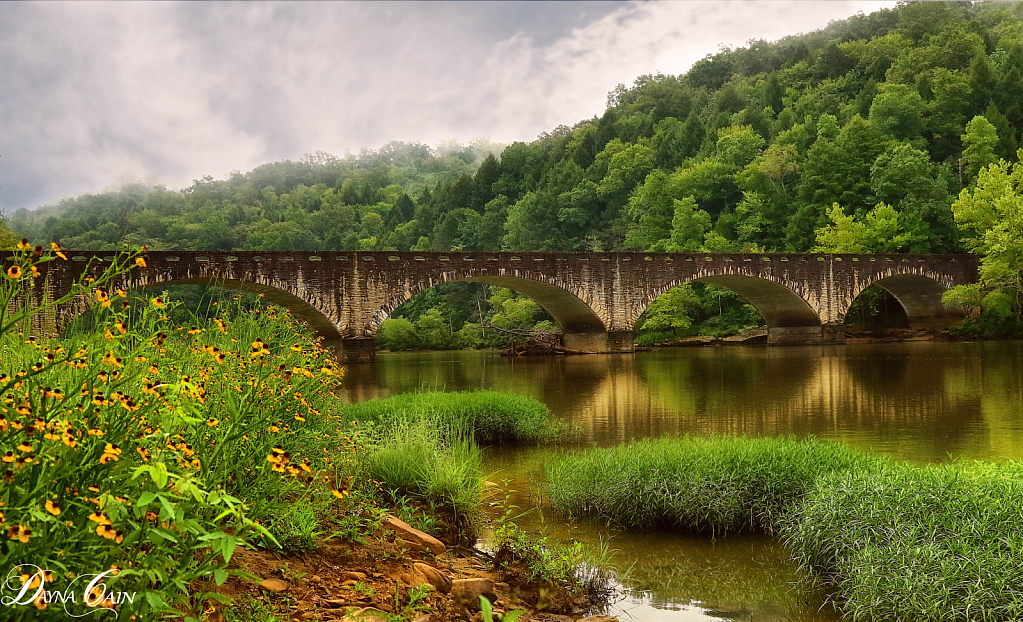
(922, 401)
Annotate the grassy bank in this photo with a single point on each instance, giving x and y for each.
(898, 542)
(489, 416)
(887, 540)
(717, 485)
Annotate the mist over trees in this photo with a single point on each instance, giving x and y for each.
(856, 138)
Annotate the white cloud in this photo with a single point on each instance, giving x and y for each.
(97, 91)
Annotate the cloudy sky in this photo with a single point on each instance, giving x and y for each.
(92, 94)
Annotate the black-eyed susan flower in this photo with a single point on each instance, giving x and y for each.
(100, 518)
(14, 272)
(57, 250)
(110, 452)
(53, 508)
(140, 262)
(106, 530)
(158, 302)
(19, 532)
(102, 297)
(23, 245)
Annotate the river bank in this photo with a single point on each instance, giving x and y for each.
(397, 572)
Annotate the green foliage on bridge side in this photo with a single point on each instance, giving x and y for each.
(991, 218)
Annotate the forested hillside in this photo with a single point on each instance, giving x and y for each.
(858, 137)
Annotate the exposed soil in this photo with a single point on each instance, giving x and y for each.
(340, 579)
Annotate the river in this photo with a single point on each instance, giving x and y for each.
(918, 401)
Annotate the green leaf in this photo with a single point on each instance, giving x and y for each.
(145, 499)
(167, 505)
(227, 551)
(159, 475)
(220, 575)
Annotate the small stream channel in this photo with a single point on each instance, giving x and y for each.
(918, 401)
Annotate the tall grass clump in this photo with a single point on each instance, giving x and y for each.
(490, 416)
(423, 460)
(899, 542)
(716, 485)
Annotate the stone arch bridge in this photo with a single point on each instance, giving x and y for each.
(596, 298)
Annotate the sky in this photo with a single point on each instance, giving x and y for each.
(93, 94)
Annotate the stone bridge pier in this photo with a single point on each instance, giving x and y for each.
(595, 298)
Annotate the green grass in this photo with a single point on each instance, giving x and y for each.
(492, 417)
(715, 485)
(885, 540)
(417, 458)
(899, 542)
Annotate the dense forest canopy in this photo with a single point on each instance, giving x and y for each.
(857, 137)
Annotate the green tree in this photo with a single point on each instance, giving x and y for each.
(7, 238)
(513, 312)
(980, 141)
(398, 334)
(991, 218)
(689, 225)
(672, 312)
(878, 232)
(898, 110)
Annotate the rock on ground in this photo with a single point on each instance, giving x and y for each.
(467, 592)
(412, 535)
(434, 577)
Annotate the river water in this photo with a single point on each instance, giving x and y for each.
(918, 401)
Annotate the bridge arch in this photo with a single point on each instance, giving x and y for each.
(788, 314)
(919, 293)
(299, 307)
(574, 315)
